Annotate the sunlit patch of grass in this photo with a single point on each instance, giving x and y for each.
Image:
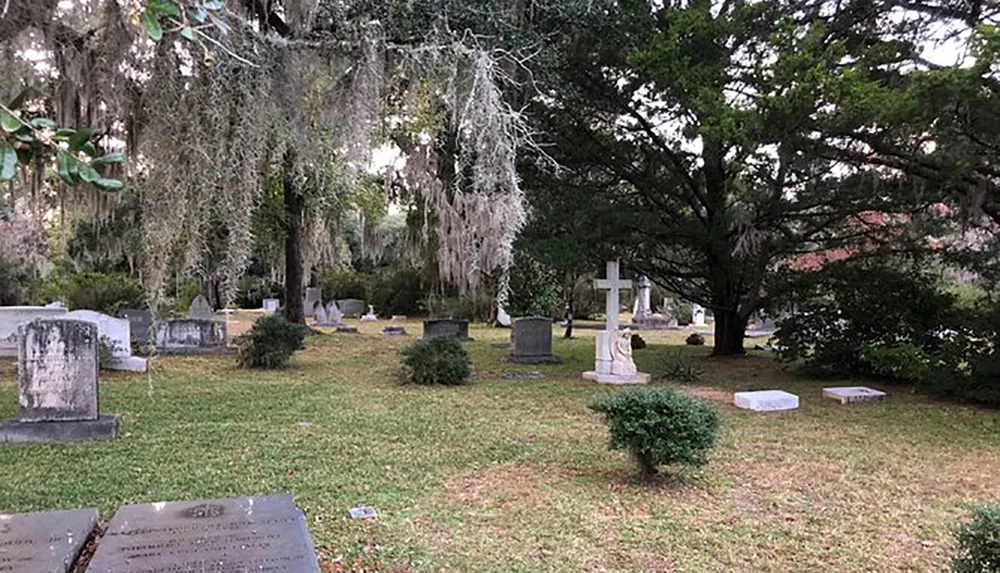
(514, 475)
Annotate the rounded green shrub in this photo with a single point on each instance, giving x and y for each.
(658, 426)
(977, 542)
(438, 360)
(269, 343)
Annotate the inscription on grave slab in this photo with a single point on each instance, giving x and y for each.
(264, 533)
(853, 394)
(46, 542)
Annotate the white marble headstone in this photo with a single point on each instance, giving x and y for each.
(118, 331)
(766, 400)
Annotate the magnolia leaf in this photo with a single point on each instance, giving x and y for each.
(21, 98)
(8, 161)
(64, 134)
(88, 174)
(198, 15)
(152, 25)
(44, 122)
(187, 32)
(81, 138)
(212, 5)
(64, 165)
(109, 184)
(9, 122)
(109, 159)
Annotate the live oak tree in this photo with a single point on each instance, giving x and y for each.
(727, 138)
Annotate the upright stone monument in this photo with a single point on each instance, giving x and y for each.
(117, 333)
(531, 341)
(57, 364)
(271, 305)
(191, 337)
(371, 316)
(44, 542)
(140, 323)
(613, 347)
(447, 327)
(313, 295)
(503, 319)
(698, 315)
(644, 308)
(261, 533)
(200, 309)
(351, 307)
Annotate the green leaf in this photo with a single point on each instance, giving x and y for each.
(81, 138)
(188, 32)
(109, 184)
(213, 5)
(25, 135)
(109, 159)
(20, 99)
(221, 26)
(9, 122)
(198, 15)
(63, 164)
(152, 25)
(44, 122)
(88, 174)
(64, 134)
(8, 161)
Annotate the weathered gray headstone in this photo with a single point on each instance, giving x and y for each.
(11, 317)
(394, 330)
(44, 542)
(57, 363)
(200, 309)
(116, 332)
(57, 367)
(187, 336)
(264, 533)
(351, 307)
(447, 327)
(140, 324)
(531, 340)
(271, 305)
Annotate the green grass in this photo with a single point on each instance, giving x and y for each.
(515, 475)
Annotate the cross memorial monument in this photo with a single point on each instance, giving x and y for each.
(613, 347)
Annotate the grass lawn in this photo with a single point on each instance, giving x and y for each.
(506, 475)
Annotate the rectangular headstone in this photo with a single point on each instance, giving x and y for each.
(265, 533)
(116, 332)
(531, 340)
(853, 394)
(191, 337)
(313, 295)
(766, 400)
(57, 364)
(140, 324)
(446, 327)
(11, 317)
(351, 307)
(271, 305)
(44, 542)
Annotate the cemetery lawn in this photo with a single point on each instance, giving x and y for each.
(506, 475)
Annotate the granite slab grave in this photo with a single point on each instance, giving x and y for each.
(200, 309)
(140, 322)
(853, 394)
(447, 327)
(351, 307)
(57, 366)
(44, 542)
(531, 341)
(11, 317)
(394, 330)
(766, 400)
(116, 332)
(263, 533)
(186, 336)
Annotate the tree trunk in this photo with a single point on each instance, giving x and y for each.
(294, 209)
(569, 310)
(730, 329)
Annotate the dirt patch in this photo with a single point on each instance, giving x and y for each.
(509, 486)
(714, 395)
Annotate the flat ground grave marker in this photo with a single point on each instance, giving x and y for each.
(263, 533)
(853, 394)
(766, 400)
(44, 542)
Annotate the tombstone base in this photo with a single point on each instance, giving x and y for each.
(345, 329)
(638, 378)
(129, 364)
(15, 431)
(196, 350)
(551, 359)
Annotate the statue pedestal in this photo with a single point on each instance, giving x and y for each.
(613, 360)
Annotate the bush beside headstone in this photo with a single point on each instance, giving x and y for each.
(270, 342)
(437, 360)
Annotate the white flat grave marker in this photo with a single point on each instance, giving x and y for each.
(853, 394)
(363, 512)
(766, 400)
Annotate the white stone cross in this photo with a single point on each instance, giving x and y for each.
(613, 284)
